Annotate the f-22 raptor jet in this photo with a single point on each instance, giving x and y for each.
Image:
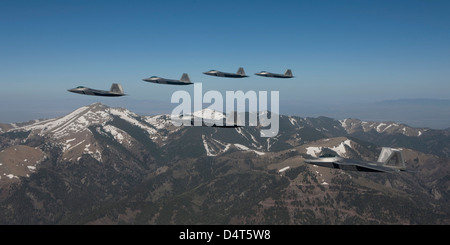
(390, 160)
(115, 91)
(183, 81)
(287, 74)
(239, 74)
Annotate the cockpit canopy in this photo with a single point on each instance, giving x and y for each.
(80, 87)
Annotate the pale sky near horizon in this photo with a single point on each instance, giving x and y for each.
(340, 51)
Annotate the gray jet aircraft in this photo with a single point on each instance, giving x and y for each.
(287, 74)
(239, 74)
(390, 160)
(183, 81)
(115, 91)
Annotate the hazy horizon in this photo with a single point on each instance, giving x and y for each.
(434, 115)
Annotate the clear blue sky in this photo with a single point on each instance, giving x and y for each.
(339, 50)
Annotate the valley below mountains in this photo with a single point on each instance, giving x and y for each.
(103, 165)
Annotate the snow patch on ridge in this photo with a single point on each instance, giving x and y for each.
(130, 117)
(339, 149)
(245, 148)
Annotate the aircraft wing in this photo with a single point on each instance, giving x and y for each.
(348, 164)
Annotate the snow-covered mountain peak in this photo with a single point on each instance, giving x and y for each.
(75, 121)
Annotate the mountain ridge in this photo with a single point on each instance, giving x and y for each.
(102, 165)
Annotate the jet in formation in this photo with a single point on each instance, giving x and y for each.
(390, 160)
(183, 81)
(115, 91)
(287, 74)
(215, 122)
(239, 74)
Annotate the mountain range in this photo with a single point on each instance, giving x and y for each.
(103, 165)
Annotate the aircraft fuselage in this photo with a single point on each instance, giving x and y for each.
(95, 92)
(161, 80)
(268, 74)
(224, 74)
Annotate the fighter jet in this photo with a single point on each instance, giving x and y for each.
(208, 118)
(287, 74)
(183, 81)
(390, 160)
(239, 74)
(116, 90)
